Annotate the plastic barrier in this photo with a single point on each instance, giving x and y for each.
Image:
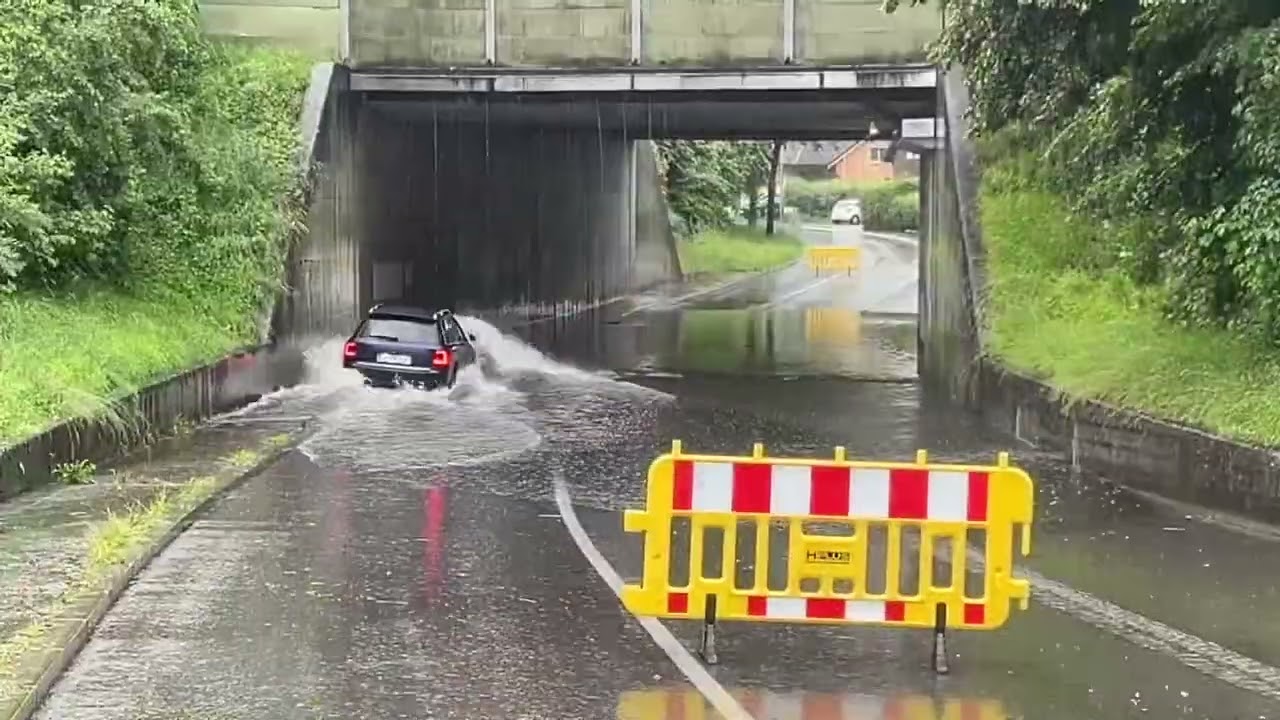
(833, 257)
(831, 541)
(686, 704)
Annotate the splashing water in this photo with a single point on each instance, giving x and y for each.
(326, 388)
(506, 355)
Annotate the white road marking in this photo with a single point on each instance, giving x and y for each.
(1195, 652)
(705, 291)
(711, 689)
(801, 291)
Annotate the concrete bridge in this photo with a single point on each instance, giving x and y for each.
(497, 152)
(731, 34)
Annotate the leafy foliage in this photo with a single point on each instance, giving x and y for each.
(147, 194)
(704, 180)
(105, 170)
(1158, 120)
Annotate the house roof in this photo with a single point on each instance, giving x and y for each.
(821, 153)
(882, 144)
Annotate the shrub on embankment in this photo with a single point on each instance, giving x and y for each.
(147, 193)
(891, 206)
(1131, 199)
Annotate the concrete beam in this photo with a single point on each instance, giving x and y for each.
(645, 80)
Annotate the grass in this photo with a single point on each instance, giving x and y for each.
(121, 537)
(76, 473)
(66, 357)
(1097, 335)
(737, 250)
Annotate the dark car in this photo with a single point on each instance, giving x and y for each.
(400, 344)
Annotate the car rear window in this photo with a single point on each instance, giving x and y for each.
(401, 330)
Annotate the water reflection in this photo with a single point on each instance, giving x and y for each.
(435, 500)
(689, 704)
(755, 341)
(791, 341)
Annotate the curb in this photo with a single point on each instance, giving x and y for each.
(896, 240)
(73, 633)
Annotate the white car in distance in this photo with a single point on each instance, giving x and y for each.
(847, 212)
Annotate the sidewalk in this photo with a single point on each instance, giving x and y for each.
(63, 547)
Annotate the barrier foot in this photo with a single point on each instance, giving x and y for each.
(708, 648)
(941, 664)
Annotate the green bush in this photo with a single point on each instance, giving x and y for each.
(147, 195)
(892, 206)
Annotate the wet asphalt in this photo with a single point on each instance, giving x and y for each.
(409, 560)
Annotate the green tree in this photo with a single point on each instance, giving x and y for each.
(704, 180)
(1156, 120)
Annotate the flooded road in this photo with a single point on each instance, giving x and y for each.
(410, 560)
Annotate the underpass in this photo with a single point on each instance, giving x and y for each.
(420, 555)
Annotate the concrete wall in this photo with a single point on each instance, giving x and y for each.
(563, 32)
(324, 268)
(685, 33)
(656, 255)
(840, 32)
(311, 26)
(190, 396)
(950, 254)
(460, 216)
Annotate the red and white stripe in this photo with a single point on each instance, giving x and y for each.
(811, 608)
(871, 493)
(766, 705)
(858, 611)
(854, 611)
(763, 704)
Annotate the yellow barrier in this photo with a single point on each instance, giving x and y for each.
(831, 541)
(833, 257)
(686, 704)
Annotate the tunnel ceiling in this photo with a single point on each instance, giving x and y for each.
(789, 114)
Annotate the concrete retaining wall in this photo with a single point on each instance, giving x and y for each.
(310, 26)
(191, 396)
(1137, 451)
(324, 269)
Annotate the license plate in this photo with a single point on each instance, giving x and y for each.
(394, 359)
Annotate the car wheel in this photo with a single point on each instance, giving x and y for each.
(453, 377)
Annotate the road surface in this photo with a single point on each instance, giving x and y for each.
(411, 559)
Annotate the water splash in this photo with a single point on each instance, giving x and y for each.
(507, 356)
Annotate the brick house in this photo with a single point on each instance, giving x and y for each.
(857, 161)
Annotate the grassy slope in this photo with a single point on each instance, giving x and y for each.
(1104, 338)
(737, 250)
(65, 356)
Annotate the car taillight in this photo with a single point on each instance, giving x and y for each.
(349, 351)
(441, 359)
